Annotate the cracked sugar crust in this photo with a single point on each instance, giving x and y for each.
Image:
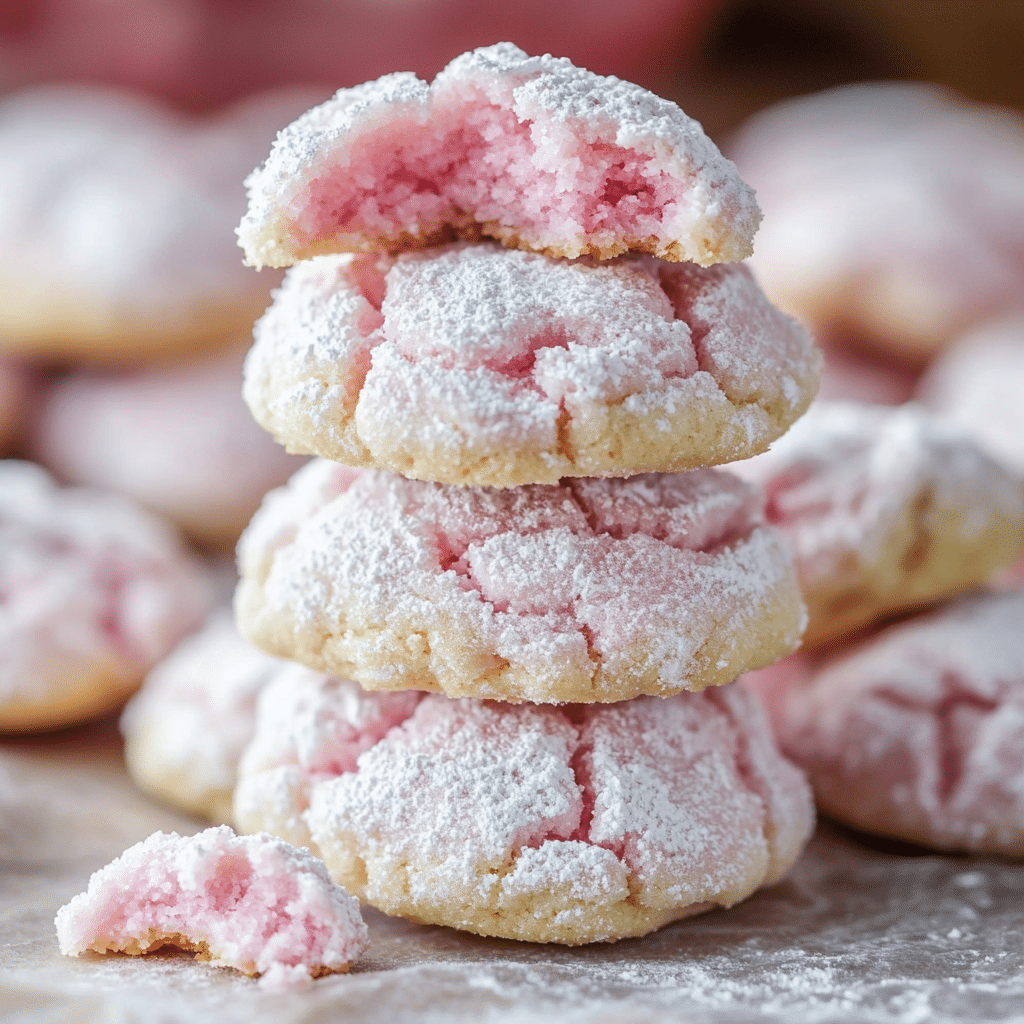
(473, 364)
(591, 590)
(531, 151)
(917, 733)
(885, 510)
(254, 903)
(94, 591)
(187, 726)
(576, 824)
(894, 212)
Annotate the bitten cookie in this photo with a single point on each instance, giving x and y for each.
(178, 439)
(885, 510)
(917, 733)
(592, 590)
(577, 824)
(895, 212)
(193, 716)
(532, 151)
(474, 364)
(254, 903)
(95, 592)
(115, 240)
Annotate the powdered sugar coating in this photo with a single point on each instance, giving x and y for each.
(474, 364)
(917, 733)
(177, 439)
(977, 385)
(895, 212)
(115, 230)
(532, 151)
(93, 592)
(589, 590)
(187, 726)
(254, 903)
(567, 825)
(884, 510)
(308, 727)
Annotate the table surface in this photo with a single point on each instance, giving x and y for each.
(857, 933)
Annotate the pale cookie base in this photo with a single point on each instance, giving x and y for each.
(353, 585)
(886, 510)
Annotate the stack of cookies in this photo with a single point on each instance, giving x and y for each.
(514, 326)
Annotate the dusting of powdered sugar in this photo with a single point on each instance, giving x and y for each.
(530, 150)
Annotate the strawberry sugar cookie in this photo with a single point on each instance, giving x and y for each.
(590, 590)
(93, 592)
(575, 824)
(253, 903)
(193, 716)
(885, 509)
(531, 151)
(917, 733)
(177, 439)
(115, 233)
(895, 213)
(474, 364)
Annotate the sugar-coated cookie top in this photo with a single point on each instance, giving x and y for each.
(87, 578)
(252, 902)
(845, 472)
(532, 151)
(894, 211)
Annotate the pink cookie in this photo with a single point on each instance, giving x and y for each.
(189, 723)
(591, 590)
(532, 151)
(307, 728)
(978, 385)
(177, 439)
(885, 510)
(474, 364)
(254, 903)
(93, 592)
(578, 824)
(894, 212)
(917, 733)
(115, 239)
(17, 386)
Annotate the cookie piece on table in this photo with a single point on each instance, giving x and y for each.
(115, 241)
(918, 732)
(254, 903)
(193, 716)
(474, 364)
(894, 212)
(885, 510)
(576, 824)
(177, 439)
(95, 592)
(531, 151)
(591, 590)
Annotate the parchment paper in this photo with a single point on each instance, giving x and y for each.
(857, 933)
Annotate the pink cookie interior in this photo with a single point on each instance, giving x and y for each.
(249, 902)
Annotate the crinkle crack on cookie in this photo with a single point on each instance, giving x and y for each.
(254, 903)
(886, 510)
(917, 733)
(571, 825)
(473, 364)
(531, 151)
(592, 590)
(93, 592)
